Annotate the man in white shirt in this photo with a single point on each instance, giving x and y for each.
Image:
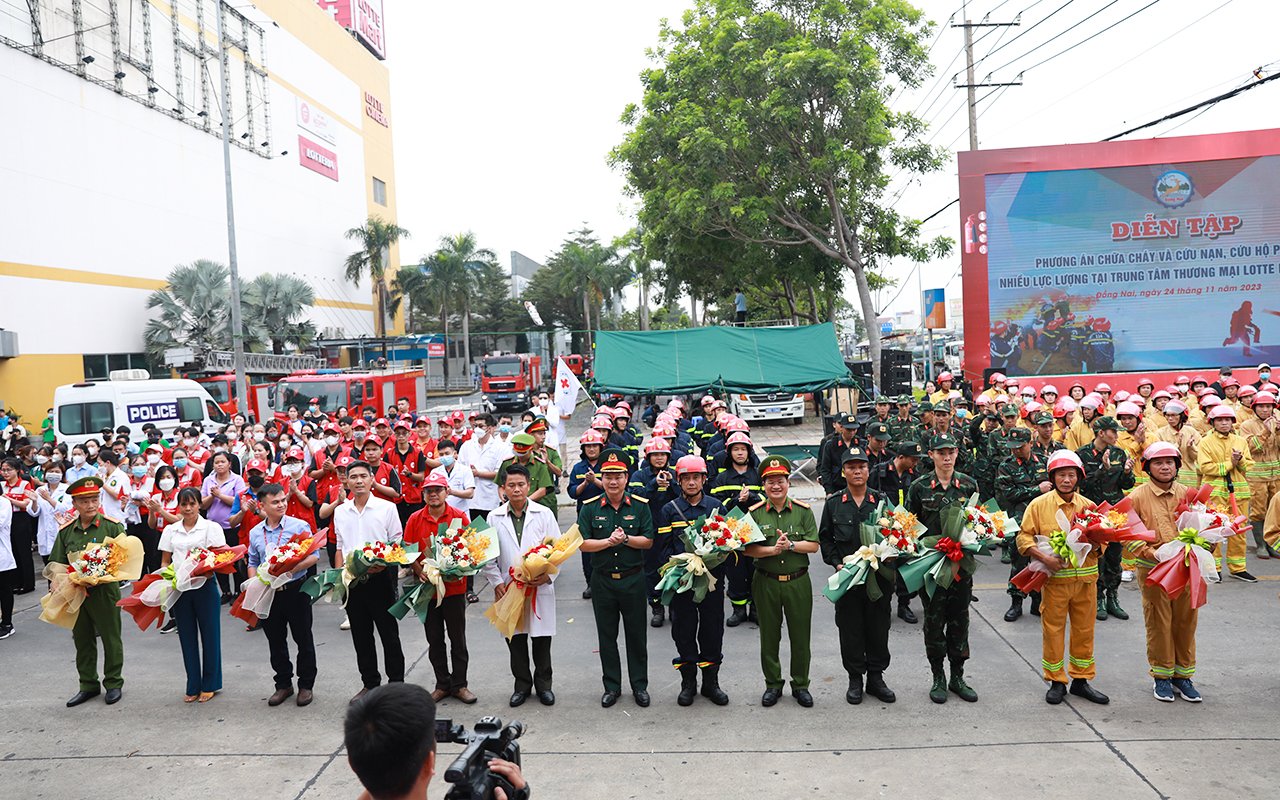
(364, 519)
(115, 487)
(462, 481)
(482, 455)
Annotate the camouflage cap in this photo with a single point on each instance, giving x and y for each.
(910, 450)
(1041, 418)
(1019, 436)
(1106, 424)
(943, 443)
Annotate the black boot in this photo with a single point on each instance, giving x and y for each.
(1035, 604)
(738, 616)
(711, 685)
(751, 613)
(938, 691)
(1015, 610)
(688, 684)
(876, 688)
(905, 614)
(1113, 606)
(655, 621)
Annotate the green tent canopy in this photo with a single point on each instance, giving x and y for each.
(728, 359)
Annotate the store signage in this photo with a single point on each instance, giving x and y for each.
(317, 158)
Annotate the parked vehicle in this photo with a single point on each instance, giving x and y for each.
(354, 390)
(771, 406)
(131, 397)
(509, 381)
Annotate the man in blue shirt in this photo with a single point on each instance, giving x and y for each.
(740, 308)
(291, 609)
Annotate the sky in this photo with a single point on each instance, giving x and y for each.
(505, 112)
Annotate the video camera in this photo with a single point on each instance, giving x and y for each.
(469, 773)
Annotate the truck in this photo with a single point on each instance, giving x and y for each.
(579, 365)
(131, 397)
(769, 406)
(223, 390)
(509, 381)
(350, 389)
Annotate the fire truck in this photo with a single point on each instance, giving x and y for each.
(509, 381)
(215, 371)
(222, 388)
(353, 390)
(579, 365)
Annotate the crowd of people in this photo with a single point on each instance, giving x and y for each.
(398, 478)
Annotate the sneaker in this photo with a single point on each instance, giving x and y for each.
(1163, 690)
(1243, 575)
(1126, 576)
(1186, 690)
(170, 627)
(6, 631)
(346, 624)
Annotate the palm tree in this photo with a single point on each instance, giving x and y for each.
(409, 285)
(587, 266)
(194, 311)
(275, 305)
(376, 238)
(462, 264)
(636, 262)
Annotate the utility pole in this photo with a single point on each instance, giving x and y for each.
(237, 326)
(970, 83)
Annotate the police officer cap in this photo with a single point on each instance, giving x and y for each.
(1019, 436)
(775, 465)
(86, 486)
(910, 450)
(854, 454)
(1009, 411)
(1041, 418)
(943, 443)
(847, 420)
(1106, 424)
(878, 430)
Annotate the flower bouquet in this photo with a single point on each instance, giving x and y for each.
(988, 522)
(708, 543)
(508, 614)
(943, 559)
(457, 551)
(259, 592)
(893, 536)
(899, 528)
(156, 592)
(119, 558)
(1187, 562)
(1067, 542)
(1107, 524)
(335, 583)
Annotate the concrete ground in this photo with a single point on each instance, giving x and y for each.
(1009, 744)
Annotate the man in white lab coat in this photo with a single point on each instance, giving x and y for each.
(520, 526)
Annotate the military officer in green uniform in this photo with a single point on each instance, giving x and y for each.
(616, 530)
(781, 586)
(902, 426)
(99, 617)
(1108, 475)
(998, 443)
(542, 484)
(946, 614)
(863, 623)
(1020, 479)
(1042, 443)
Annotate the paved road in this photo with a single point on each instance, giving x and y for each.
(1009, 744)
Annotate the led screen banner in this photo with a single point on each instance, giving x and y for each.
(1123, 257)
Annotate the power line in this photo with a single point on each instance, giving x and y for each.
(1090, 38)
(1025, 32)
(1212, 101)
(1056, 36)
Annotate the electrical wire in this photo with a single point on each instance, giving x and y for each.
(1055, 37)
(1089, 38)
(1212, 101)
(1042, 21)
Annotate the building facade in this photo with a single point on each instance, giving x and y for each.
(112, 166)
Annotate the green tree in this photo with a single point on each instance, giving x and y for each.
(634, 257)
(586, 267)
(376, 236)
(766, 122)
(275, 305)
(409, 287)
(193, 310)
(454, 272)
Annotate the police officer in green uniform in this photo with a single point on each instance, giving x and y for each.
(99, 617)
(616, 530)
(1108, 475)
(1020, 479)
(863, 623)
(946, 614)
(781, 586)
(542, 485)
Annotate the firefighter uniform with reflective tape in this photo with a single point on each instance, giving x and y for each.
(1228, 479)
(727, 487)
(696, 628)
(1171, 624)
(1264, 476)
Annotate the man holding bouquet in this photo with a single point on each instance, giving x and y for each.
(696, 627)
(451, 614)
(521, 526)
(1070, 593)
(1108, 475)
(290, 608)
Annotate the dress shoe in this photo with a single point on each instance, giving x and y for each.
(853, 696)
(906, 614)
(547, 697)
(472, 598)
(609, 698)
(82, 697)
(803, 697)
(738, 616)
(465, 695)
(655, 621)
(586, 593)
(876, 688)
(1057, 692)
(1081, 688)
(305, 696)
(770, 697)
(439, 694)
(113, 696)
(1015, 611)
(642, 698)
(518, 698)
(280, 696)
(365, 691)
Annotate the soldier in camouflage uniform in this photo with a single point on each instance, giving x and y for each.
(1108, 475)
(1042, 443)
(946, 614)
(984, 471)
(902, 427)
(1019, 480)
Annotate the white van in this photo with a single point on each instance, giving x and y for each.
(132, 398)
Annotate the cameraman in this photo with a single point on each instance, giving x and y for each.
(390, 735)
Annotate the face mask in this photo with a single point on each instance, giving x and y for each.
(42, 459)
(53, 478)
(139, 472)
(273, 435)
(189, 441)
(961, 413)
(285, 443)
(93, 451)
(232, 435)
(359, 436)
(504, 429)
(179, 463)
(446, 460)
(166, 484)
(1264, 376)
(78, 460)
(314, 409)
(219, 449)
(258, 436)
(256, 481)
(56, 456)
(153, 460)
(331, 441)
(542, 402)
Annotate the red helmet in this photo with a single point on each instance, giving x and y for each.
(737, 424)
(1054, 324)
(997, 377)
(1048, 388)
(591, 436)
(1146, 382)
(1222, 411)
(1262, 398)
(1175, 407)
(1182, 379)
(657, 445)
(1210, 400)
(1101, 325)
(1000, 328)
(738, 437)
(690, 464)
(944, 376)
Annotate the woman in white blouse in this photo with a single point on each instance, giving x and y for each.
(197, 610)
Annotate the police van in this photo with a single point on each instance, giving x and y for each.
(131, 397)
